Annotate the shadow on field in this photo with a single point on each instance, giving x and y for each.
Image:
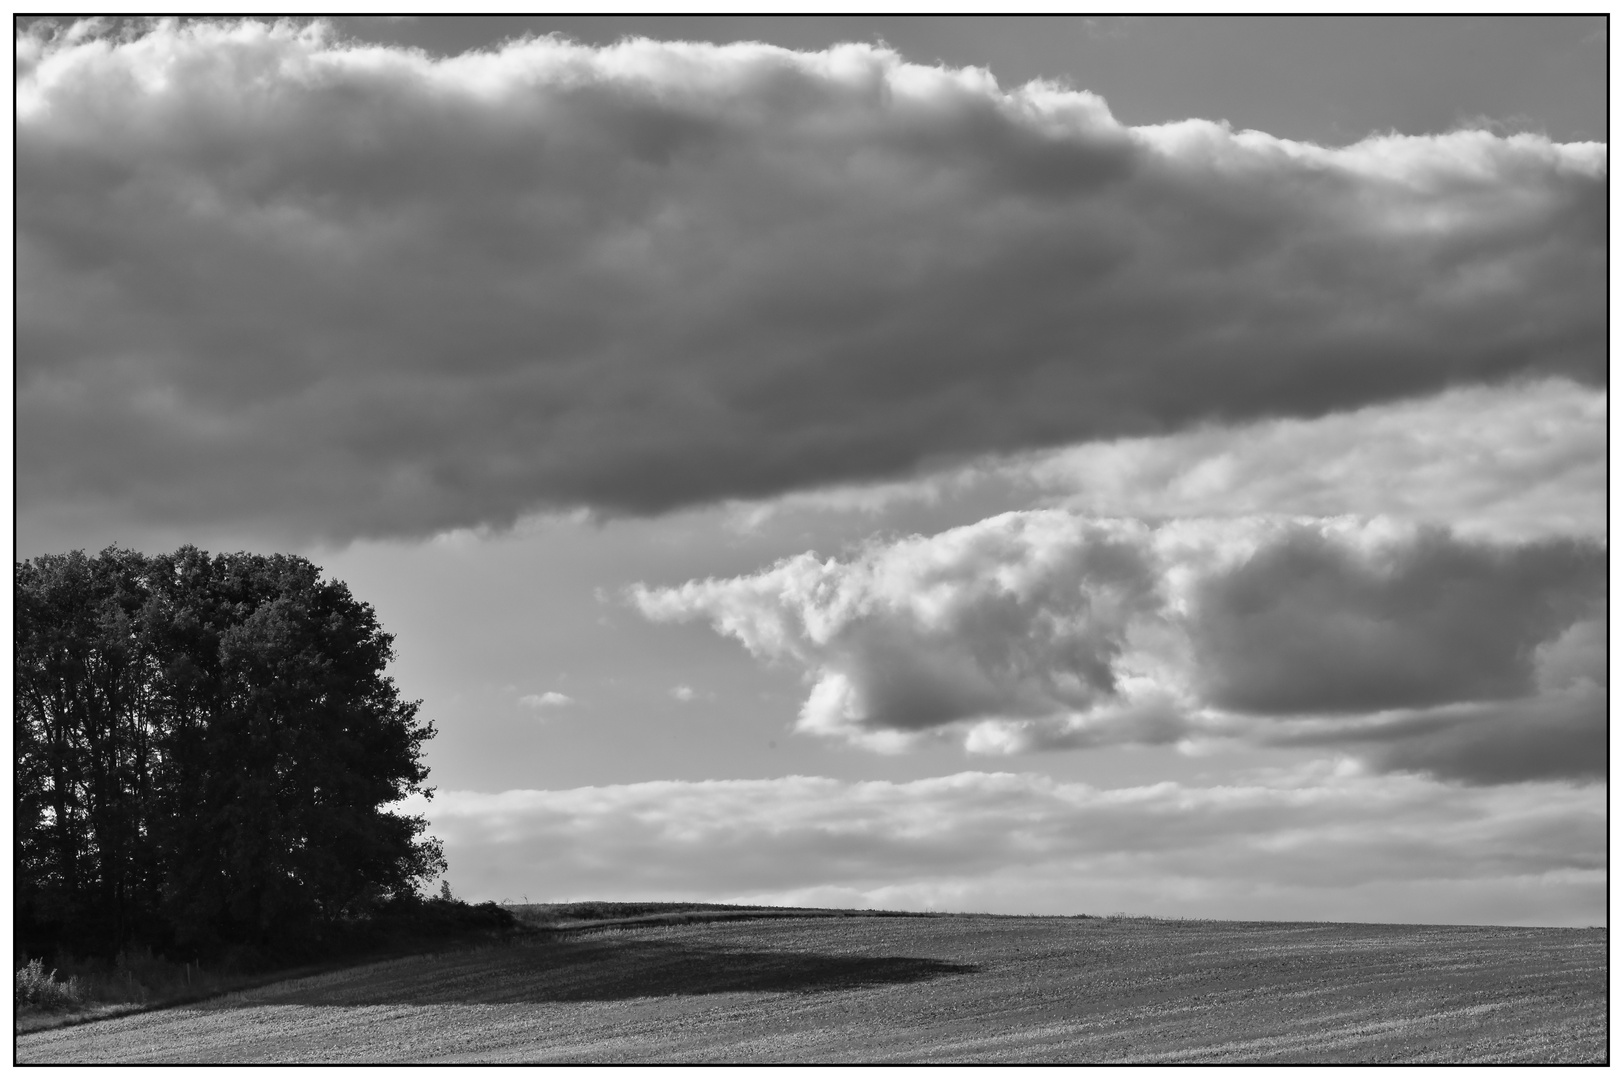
(602, 970)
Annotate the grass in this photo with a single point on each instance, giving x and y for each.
(749, 987)
(137, 980)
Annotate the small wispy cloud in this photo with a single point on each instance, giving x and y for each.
(549, 700)
(684, 693)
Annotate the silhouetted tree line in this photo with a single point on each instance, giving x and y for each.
(205, 747)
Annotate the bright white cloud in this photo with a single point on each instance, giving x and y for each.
(1324, 842)
(552, 699)
(1518, 462)
(1049, 628)
(270, 280)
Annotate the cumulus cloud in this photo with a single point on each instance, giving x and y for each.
(1422, 649)
(269, 279)
(552, 699)
(1312, 624)
(1324, 842)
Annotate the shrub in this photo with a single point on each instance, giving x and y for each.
(42, 991)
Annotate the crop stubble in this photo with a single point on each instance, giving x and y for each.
(947, 988)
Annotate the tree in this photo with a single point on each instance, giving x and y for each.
(207, 747)
(83, 739)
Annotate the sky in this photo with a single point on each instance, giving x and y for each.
(1064, 465)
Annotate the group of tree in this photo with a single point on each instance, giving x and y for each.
(207, 750)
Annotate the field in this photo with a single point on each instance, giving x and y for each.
(938, 989)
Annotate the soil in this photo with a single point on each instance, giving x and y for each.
(937, 989)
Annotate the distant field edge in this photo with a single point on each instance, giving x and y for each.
(594, 914)
(591, 915)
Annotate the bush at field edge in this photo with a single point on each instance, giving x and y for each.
(42, 991)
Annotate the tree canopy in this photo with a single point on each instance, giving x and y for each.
(206, 752)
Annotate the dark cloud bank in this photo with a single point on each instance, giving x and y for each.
(270, 280)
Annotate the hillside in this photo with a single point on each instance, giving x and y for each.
(942, 988)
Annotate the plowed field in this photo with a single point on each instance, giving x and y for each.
(956, 988)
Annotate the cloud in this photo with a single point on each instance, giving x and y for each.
(1519, 462)
(683, 693)
(1561, 735)
(269, 279)
(549, 700)
(1416, 647)
(1559, 732)
(1325, 842)
(1513, 463)
(1312, 624)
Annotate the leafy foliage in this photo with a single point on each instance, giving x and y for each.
(205, 750)
(41, 990)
